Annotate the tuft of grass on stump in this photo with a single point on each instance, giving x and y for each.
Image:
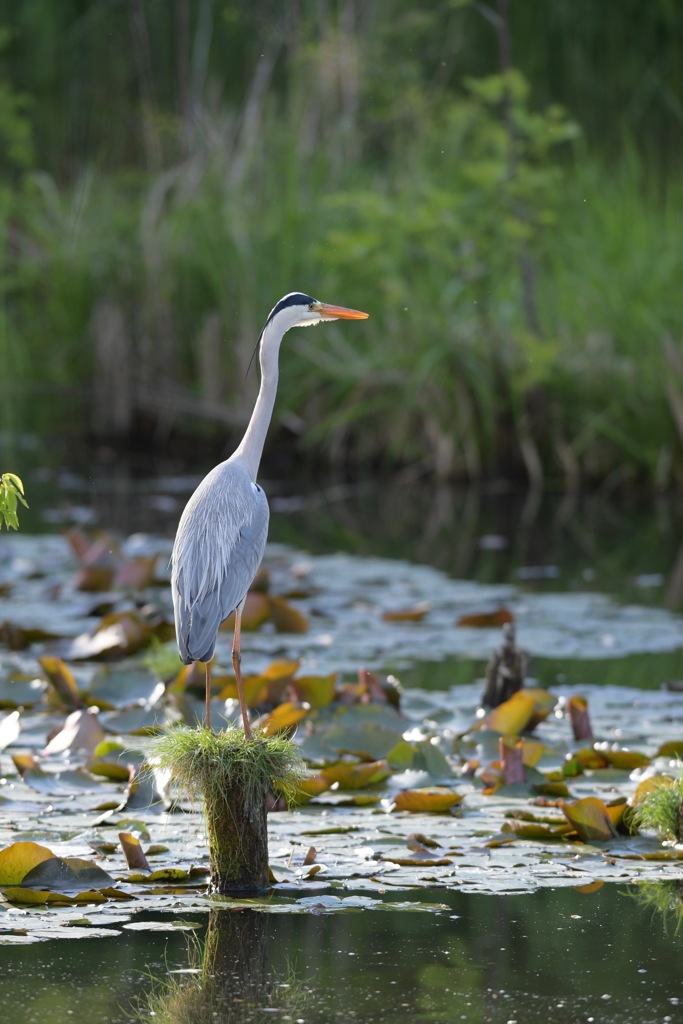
(235, 777)
(662, 810)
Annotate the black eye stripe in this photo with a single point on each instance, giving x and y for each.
(293, 299)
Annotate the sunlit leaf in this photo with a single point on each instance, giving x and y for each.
(10, 729)
(283, 717)
(81, 731)
(41, 897)
(256, 612)
(672, 748)
(514, 715)
(434, 799)
(132, 851)
(402, 755)
(61, 678)
(356, 776)
(287, 619)
(311, 786)
(318, 691)
(18, 859)
(133, 631)
(591, 819)
(487, 620)
(624, 759)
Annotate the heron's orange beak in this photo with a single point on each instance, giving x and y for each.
(339, 312)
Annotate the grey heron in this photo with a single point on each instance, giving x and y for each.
(222, 532)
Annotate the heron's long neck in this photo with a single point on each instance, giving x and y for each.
(251, 447)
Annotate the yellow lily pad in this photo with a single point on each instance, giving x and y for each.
(433, 799)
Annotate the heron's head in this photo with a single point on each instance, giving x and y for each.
(300, 310)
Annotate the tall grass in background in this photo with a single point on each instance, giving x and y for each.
(524, 299)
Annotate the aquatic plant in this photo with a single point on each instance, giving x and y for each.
(234, 777)
(661, 808)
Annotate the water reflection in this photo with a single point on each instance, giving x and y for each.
(492, 533)
(229, 978)
(558, 955)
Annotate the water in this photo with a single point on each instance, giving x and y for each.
(628, 547)
(555, 955)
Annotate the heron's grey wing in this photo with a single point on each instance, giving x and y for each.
(219, 546)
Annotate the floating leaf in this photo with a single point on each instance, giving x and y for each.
(537, 830)
(591, 819)
(487, 620)
(672, 748)
(21, 691)
(135, 574)
(513, 716)
(414, 614)
(61, 678)
(94, 578)
(118, 687)
(287, 619)
(18, 859)
(434, 799)
(366, 739)
(318, 691)
(283, 717)
(10, 728)
(624, 759)
(133, 631)
(132, 851)
(65, 873)
(256, 612)
(81, 731)
(402, 756)
(41, 897)
(311, 786)
(356, 776)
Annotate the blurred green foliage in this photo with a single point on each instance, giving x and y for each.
(11, 494)
(522, 272)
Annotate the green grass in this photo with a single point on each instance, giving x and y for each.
(662, 810)
(206, 763)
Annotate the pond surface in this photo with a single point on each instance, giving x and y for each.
(555, 955)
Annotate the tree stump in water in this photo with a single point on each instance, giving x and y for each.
(238, 841)
(506, 670)
(235, 778)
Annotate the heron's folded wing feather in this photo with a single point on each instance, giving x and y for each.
(218, 549)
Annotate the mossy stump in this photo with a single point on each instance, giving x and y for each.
(235, 777)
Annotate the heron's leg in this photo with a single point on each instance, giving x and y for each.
(237, 667)
(207, 716)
